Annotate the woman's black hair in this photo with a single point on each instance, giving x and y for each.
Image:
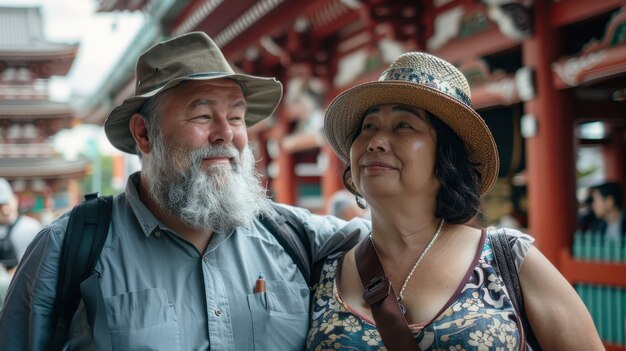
(458, 199)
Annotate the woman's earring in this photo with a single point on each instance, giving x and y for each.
(360, 201)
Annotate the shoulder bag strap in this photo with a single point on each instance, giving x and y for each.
(505, 264)
(378, 293)
(8, 254)
(291, 235)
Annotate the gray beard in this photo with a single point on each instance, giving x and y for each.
(222, 198)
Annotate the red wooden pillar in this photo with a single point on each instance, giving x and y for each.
(284, 184)
(332, 178)
(614, 155)
(550, 151)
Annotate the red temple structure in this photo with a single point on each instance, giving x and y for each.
(44, 182)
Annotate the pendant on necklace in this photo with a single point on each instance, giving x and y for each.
(402, 308)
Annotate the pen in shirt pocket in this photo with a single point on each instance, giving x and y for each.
(260, 286)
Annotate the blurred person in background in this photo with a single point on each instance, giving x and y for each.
(343, 205)
(16, 232)
(586, 218)
(607, 205)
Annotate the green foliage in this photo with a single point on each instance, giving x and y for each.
(106, 177)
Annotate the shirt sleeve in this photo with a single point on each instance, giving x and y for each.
(25, 319)
(521, 244)
(329, 234)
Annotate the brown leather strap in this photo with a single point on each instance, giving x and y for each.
(378, 293)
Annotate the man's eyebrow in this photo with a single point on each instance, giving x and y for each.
(240, 103)
(201, 102)
(207, 102)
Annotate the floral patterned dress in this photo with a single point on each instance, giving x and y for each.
(479, 316)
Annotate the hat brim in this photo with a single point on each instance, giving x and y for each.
(345, 112)
(262, 96)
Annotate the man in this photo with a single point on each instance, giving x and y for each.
(185, 248)
(607, 207)
(16, 232)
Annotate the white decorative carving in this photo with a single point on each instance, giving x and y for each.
(447, 27)
(349, 67)
(512, 17)
(525, 83)
(504, 87)
(569, 70)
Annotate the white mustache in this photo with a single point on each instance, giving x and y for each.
(225, 151)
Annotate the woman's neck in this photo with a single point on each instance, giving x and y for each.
(397, 229)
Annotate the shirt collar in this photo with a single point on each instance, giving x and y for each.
(148, 222)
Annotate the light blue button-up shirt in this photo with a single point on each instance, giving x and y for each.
(160, 293)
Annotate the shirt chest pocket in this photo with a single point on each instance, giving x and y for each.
(280, 317)
(143, 320)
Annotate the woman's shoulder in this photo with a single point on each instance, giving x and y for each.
(515, 237)
(518, 241)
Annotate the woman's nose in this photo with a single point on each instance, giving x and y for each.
(378, 142)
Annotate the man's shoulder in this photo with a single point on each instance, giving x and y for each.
(57, 227)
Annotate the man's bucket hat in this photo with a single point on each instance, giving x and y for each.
(424, 81)
(192, 56)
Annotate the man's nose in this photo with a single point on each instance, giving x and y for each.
(221, 131)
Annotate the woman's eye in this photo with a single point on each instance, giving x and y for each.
(367, 126)
(403, 125)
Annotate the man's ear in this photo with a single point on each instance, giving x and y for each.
(138, 129)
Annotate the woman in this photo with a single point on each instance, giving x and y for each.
(421, 157)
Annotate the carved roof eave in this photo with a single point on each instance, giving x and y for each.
(120, 5)
(36, 109)
(500, 92)
(588, 67)
(599, 59)
(46, 168)
(49, 54)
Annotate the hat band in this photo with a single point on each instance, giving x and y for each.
(426, 79)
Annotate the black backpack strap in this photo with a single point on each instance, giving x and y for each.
(505, 265)
(8, 255)
(86, 233)
(292, 236)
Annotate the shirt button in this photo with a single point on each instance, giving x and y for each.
(218, 312)
(206, 259)
(157, 234)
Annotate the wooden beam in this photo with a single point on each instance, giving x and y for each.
(591, 272)
(187, 12)
(281, 17)
(481, 44)
(571, 11)
(599, 110)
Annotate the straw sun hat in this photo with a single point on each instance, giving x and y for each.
(192, 56)
(424, 81)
